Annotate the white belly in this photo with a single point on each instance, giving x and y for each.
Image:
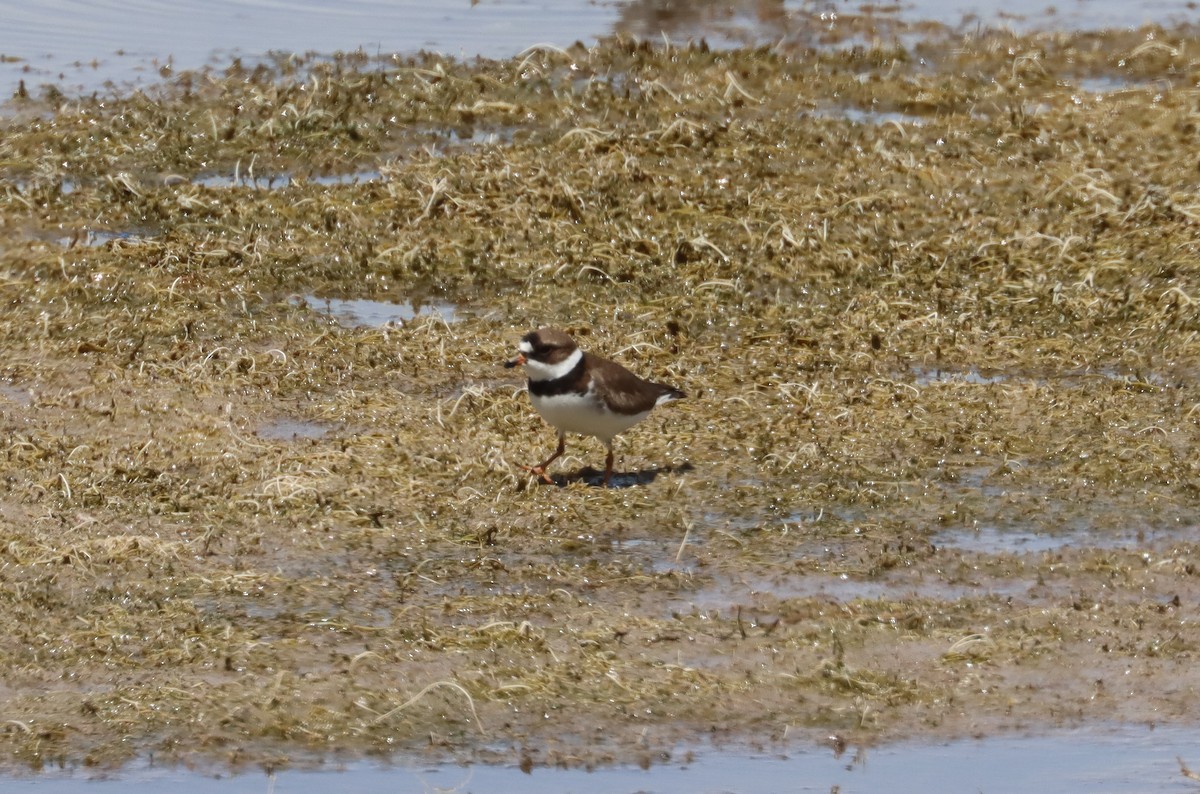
(571, 413)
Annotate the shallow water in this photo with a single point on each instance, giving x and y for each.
(15, 395)
(928, 376)
(1117, 759)
(363, 313)
(990, 539)
(280, 181)
(87, 45)
(292, 429)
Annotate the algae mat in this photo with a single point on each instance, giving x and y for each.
(928, 299)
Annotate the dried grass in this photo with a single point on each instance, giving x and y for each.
(975, 316)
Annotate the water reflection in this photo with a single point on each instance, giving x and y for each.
(287, 429)
(79, 48)
(722, 24)
(358, 313)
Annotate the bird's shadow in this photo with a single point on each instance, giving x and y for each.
(595, 477)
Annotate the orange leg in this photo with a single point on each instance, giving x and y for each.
(540, 469)
(608, 466)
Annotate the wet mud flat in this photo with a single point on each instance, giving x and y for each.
(933, 298)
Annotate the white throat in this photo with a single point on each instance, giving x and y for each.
(539, 371)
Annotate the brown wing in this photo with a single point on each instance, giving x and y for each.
(628, 394)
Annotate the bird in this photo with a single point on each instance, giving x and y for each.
(578, 392)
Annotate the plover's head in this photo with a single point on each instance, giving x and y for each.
(547, 353)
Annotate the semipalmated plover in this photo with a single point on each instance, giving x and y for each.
(578, 392)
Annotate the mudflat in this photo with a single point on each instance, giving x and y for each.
(934, 304)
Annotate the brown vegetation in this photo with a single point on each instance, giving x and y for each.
(927, 299)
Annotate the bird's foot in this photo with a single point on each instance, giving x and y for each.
(539, 471)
